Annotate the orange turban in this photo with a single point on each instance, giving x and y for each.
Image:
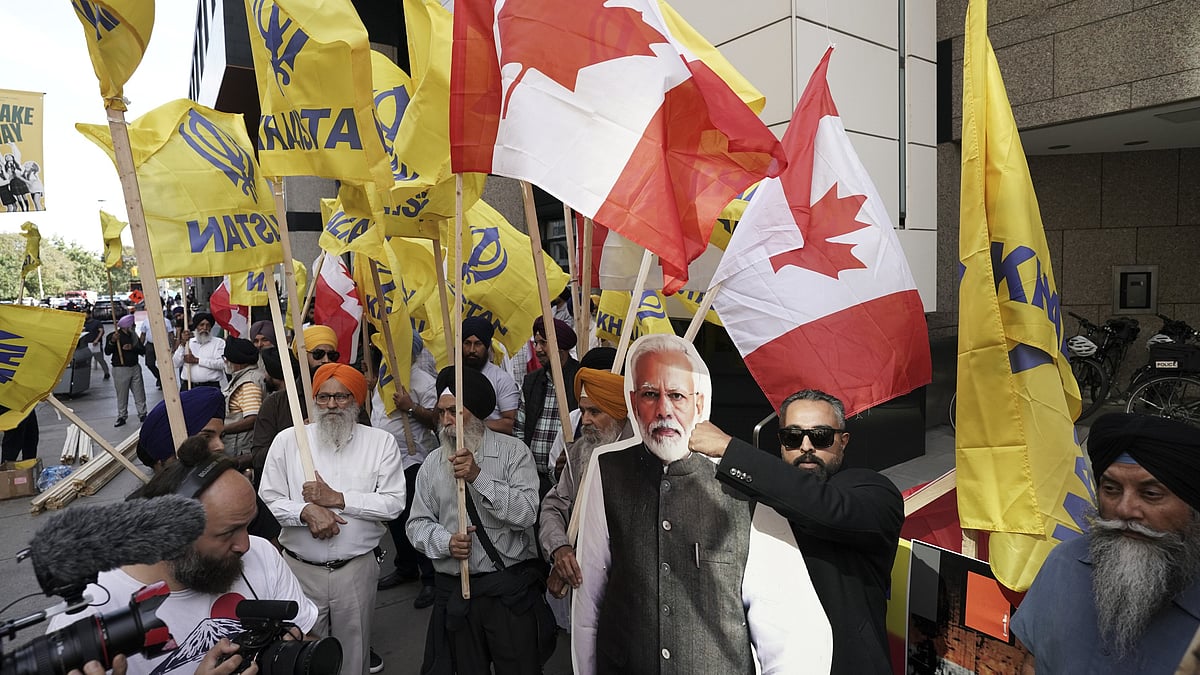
(349, 376)
(605, 389)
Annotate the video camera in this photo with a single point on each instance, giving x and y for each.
(130, 630)
(265, 624)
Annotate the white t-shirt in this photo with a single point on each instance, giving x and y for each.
(197, 621)
(508, 394)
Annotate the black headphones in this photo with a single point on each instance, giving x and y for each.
(201, 476)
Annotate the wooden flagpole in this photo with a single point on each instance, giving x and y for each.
(372, 368)
(635, 297)
(112, 306)
(311, 291)
(187, 325)
(123, 154)
(440, 270)
(464, 568)
(573, 269)
(585, 290)
(539, 268)
(289, 280)
(381, 301)
(701, 312)
(289, 381)
(87, 429)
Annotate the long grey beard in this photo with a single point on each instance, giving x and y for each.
(472, 436)
(334, 426)
(581, 449)
(1132, 579)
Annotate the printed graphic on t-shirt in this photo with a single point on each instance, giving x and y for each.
(222, 623)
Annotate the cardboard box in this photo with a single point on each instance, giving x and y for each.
(19, 479)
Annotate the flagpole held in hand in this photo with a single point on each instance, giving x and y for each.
(585, 292)
(573, 270)
(635, 297)
(701, 312)
(381, 302)
(464, 568)
(539, 268)
(438, 266)
(289, 381)
(123, 154)
(312, 289)
(112, 306)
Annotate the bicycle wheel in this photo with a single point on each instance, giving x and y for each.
(1093, 385)
(1173, 396)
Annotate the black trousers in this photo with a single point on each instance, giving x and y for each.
(22, 440)
(152, 364)
(408, 559)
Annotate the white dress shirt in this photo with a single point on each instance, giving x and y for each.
(211, 367)
(366, 470)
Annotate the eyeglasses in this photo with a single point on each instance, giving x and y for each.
(324, 399)
(821, 437)
(675, 397)
(319, 354)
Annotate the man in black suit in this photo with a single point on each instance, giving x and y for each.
(846, 522)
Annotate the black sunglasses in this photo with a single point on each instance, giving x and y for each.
(319, 354)
(822, 437)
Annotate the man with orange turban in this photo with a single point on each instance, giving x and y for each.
(332, 524)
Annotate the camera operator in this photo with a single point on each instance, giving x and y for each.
(221, 568)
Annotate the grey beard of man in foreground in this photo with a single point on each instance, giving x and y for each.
(1133, 579)
(334, 425)
(472, 435)
(591, 437)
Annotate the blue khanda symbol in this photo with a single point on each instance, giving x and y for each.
(275, 34)
(221, 150)
(651, 307)
(390, 105)
(101, 20)
(488, 258)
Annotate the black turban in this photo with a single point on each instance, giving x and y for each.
(480, 398)
(271, 364)
(479, 327)
(203, 316)
(1169, 449)
(599, 358)
(241, 351)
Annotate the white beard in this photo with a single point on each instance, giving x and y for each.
(335, 426)
(203, 338)
(472, 436)
(669, 448)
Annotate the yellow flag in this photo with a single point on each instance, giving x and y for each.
(419, 285)
(209, 211)
(394, 303)
(348, 225)
(703, 49)
(651, 315)
(1020, 473)
(110, 229)
(249, 289)
(36, 345)
(312, 60)
(33, 248)
(117, 32)
(691, 301)
(301, 274)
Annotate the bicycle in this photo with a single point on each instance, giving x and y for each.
(1169, 384)
(1094, 365)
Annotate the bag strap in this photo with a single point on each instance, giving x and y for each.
(481, 532)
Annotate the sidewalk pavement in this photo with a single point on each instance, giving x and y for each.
(399, 630)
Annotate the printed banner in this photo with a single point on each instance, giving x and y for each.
(209, 210)
(21, 187)
(651, 316)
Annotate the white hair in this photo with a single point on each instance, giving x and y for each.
(666, 342)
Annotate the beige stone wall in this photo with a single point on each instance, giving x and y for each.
(1064, 61)
(1100, 211)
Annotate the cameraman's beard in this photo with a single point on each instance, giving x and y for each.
(472, 435)
(667, 447)
(205, 574)
(1134, 579)
(334, 425)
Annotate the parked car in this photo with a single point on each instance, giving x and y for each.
(103, 309)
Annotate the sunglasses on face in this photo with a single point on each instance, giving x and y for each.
(319, 354)
(821, 437)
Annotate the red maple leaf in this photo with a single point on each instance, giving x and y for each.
(558, 39)
(830, 217)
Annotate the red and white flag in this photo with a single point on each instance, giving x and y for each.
(816, 291)
(602, 107)
(336, 305)
(235, 319)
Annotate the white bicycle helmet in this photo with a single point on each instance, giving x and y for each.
(1158, 339)
(1080, 345)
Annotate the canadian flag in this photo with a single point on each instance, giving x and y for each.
(336, 305)
(816, 292)
(600, 105)
(235, 319)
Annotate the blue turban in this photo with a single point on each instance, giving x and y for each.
(200, 406)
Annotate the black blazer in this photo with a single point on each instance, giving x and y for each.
(847, 528)
(533, 392)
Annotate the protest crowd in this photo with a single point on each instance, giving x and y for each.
(440, 403)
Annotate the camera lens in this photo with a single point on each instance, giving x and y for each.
(320, 657)
(69, 648)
